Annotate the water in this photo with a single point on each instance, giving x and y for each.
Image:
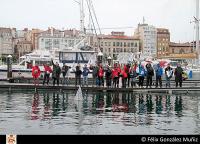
(100, 113)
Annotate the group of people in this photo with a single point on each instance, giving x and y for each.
(56, 72)
(127, 73)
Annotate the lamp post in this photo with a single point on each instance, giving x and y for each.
(9, 67)
(109, 60)
(100, 57)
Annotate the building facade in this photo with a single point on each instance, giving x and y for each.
(34, 37)
(23, 47)
(117, 42)
(57, 39)
(6, 42)
(163, 42)
(182, 52)
(148, 39)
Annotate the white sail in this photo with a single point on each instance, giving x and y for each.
(79, 95)
(78, 100)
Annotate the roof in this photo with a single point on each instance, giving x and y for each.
(72, 32)
(5, 30)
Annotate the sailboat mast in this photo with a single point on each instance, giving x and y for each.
(197, 30)
(81, 16)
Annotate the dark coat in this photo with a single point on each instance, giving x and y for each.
(178, 74)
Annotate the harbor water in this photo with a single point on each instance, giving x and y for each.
(98, 113)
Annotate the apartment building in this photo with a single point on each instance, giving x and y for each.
(58, 39)
(148, 39)
(6, 42)
(163, 42)
(117, 42)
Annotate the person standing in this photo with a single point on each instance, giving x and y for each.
(133, 75)
(178, 75)
(168, 75)
(36, 73)
(124, 78)
(56, 73)
(85, 75)
(95, 70)
(141, 73)
(115, 76)
(47, 72)
(159, 73)
(108, 76)
(65, 70)
(100, 75)
(150, 74)
(127, 69)
(78, 73)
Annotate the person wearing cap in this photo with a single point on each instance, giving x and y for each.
(85, 75)
(47, 71)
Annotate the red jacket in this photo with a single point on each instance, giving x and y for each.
(115, 73)
(47, 69)
(124, 74)
(36, 71)
(101, 72)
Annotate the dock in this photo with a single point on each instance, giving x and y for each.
(32, 87)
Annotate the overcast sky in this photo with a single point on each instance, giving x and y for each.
(172, 14)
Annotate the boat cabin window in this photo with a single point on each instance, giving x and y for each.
(69, 56)
(80, 57)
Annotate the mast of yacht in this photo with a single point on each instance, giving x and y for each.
(197, 31)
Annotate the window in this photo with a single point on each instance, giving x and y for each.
(105, 43)
(181, 51)
(124, 44)
(113, 49)
(101, 43)
(124, 50)
(132, 44)
(113, 43)
(172, 50)
(121, 44)
(117, 43)
(109, 50)
(121, 50)
(135, 44)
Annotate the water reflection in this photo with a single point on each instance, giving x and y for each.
(57, 103)
(35, 107)
(178, 105)
(99, 113)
